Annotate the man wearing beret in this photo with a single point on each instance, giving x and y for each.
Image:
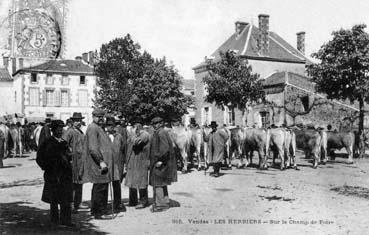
(99, 156)
(163, 168)
(75, 139)
(54, 157)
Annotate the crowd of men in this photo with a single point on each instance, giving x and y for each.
(106, 155)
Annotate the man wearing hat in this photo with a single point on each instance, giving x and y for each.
(163, 165)
(138, 162)
(75, 140)
(45, 132)
(117, 167)
(53, 156)
(99, 156)
(216, 140)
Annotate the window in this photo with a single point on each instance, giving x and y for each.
(15, 96)
(305, 102)
(64, 98)
(49, 79)
(231, 116)
(50, 98)
(82, 98)
(82, 80)
(33, 77)
(65, 80)
(34, 96)
(50, 115)
(265, 122)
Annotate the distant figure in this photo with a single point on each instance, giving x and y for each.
(329, 127)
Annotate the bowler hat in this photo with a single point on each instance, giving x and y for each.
(56, 123)
(156, 120)
(213, 123)
(98, 112)
(77, 116)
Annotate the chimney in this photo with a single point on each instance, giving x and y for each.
(85, 57)
(79, 58)
(239, 25)
(263, 42)
(14, 65)
(301, 42)
(91, 57)
(6, 61)
(20, 63)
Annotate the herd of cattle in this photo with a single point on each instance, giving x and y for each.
(241, 143)
(281, 142)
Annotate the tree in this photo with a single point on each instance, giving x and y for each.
(343, 70)
(230, 82)
(136, 84)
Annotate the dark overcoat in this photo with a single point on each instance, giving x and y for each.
(98, 148)
(138, 160)
(44, 134)
(75, 139)
(161, 149)
(118, 146)
(216, 143)
(54, 158)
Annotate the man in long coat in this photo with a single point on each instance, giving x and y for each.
(75, 139)
(98, 165)
(163, 167)
(54, 158)
(216, 140)
(118, 145)
(5, 129)
(138, 163)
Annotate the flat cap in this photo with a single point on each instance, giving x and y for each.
(98, 113)
(156, 120)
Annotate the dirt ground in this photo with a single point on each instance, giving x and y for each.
(332, 199)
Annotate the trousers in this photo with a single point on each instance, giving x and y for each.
(99, 198)
(65, 216)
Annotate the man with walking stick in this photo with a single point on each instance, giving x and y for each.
(98, 168)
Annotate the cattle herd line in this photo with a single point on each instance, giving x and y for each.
(276, 143)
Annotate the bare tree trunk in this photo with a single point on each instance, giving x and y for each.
(361, 128)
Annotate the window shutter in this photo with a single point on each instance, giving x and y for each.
(44, 97)
(69, 98)
(57, 98)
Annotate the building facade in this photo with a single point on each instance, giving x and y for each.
(283, 71)
(55, 89)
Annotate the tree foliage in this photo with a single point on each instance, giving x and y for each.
(344, 68)
(137, 85)
(230, 82)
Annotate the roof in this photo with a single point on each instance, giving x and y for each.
(245, 45)
(61, 66)
(188, 84)
(5, 75)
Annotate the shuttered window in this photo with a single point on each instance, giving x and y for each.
(64, 98)
(34, 96)
(82, 98)
(50, 98)
(65, 80)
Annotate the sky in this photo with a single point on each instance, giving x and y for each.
(185, 31)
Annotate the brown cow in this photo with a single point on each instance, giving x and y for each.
(310, 141)
(339, 140)
(255, 140)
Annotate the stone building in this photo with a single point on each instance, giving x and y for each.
(188, 88)
(283, 70)
(55, 89)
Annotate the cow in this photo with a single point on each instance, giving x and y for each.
(310, 141)
(290, 149)
(196, 143)
(277, 142)
(338, 140)
(181, 138)
(236, 146)
(255, 140)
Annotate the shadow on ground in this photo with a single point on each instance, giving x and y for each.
(355, 191)
(21, 218)
(33, 182)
